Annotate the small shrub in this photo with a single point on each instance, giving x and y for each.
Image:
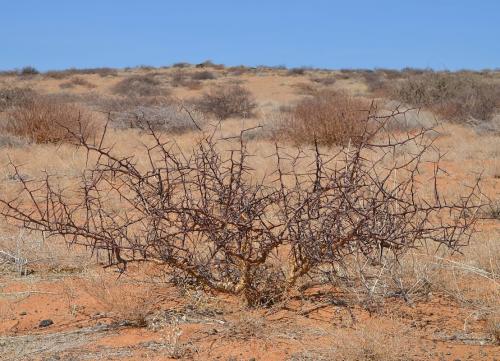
(181, 79)
(146, 67)
(10, 97)
(56, 74)
(330, 118)
(61, 74)
(227, 101)
(492, 211)
(77, 81)
(165, 117)
(375, 81)
(296, 71)
(8, 72)
(181, 65)
(415, 71)
(239, 70)
(343, 75)
(204, 75)
(125, 104)
(451, 95)
(326, 81)
(140, 85)
(210, 64)
(103, 72)
(493, 327)
(122, 301)
(305, 88)
(44, 120)
(7, 140)
(390, 74)
(29, 70)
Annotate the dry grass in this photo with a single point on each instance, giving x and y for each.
(331, 118)
(366, 341)
(43, 120)
(119, 299)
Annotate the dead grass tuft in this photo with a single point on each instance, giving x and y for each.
(121, 300)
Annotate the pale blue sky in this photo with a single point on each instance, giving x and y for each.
(57, 34)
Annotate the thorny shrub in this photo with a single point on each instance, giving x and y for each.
(207, 219)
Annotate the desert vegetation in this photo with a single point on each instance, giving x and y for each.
(139, 86)
(328, 118)
(452, 96)
(44, 120)
(204, 212)
(226, 101)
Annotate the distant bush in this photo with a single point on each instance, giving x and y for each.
(240, 70)
(165, 117)
(140, 85)
(61, 74)
(330, 118)
(227, 101)
(28, 70)
(375, 81)
(8, 72)
(296, 71)
(125, 104)
(180, 78)
(210, 64)
(305, 88)
(7, 140)
(453, 96)
(181, 65)
(145, 67)
(324, 80)
(203, 75)
(11, 97)
(77, 81)
(390, 74)
(415, 71)
(44, 120)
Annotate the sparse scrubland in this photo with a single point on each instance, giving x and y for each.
(208, 212)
